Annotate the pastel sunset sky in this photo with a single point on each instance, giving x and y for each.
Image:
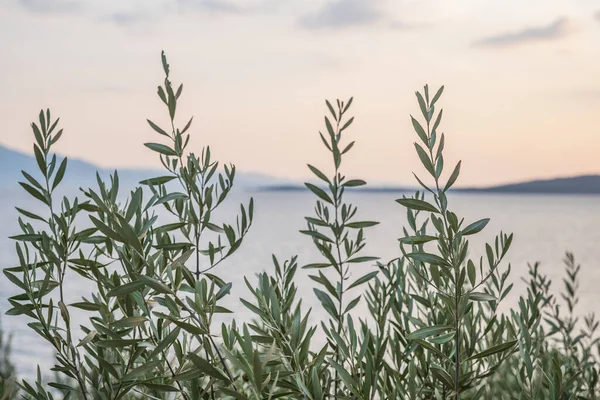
(522, 80)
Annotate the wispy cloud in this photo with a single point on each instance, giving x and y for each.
(107, 88)
(128, 18)
(553, 31)
(132, 16)
(51, 6)
(597, 16)
(592, 93)
(339, 14)
(215, 6)
(403, 25)
(399, 25)
(142, 16)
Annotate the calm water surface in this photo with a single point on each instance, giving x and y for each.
(544, 228)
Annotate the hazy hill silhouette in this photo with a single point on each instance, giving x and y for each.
(84, 173)
(585, 184)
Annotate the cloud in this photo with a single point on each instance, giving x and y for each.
(107, 88)
(51, 6)
(125, 18)
(586, 94)
(214, 6)
(399, 25)
(553, 31)
(338, 14)
(597, 16)
(403, 25)
(140, 16)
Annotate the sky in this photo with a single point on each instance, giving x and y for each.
(521, 99)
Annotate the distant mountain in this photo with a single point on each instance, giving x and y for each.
(366, 189)
(81, 173)
(78, 172)
(586, 184)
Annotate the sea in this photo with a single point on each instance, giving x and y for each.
(544, 228)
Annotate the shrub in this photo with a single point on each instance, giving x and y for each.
(7, 369)
(433, 329)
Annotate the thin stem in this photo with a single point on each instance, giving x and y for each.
(127, 367)
(457, 291)
(457, 359)
(61, 272)
(336, 200)
(212, 387)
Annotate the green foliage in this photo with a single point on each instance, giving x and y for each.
(432, 329)
(7, 369)
(560, 360)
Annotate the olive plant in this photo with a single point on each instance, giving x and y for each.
(7, 368)
(149, 330)
(339, 237)
(432, 328)
(462, 336)
(564, 359)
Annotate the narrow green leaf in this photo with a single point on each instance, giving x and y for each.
(30, 214)
(87, 306)
(362, 224)
(319, 192)
(501, 348)
(490, 254)
(428, 331)
(102, 227)
(416, 240)
(319, 174)
(193, 329)
(478, 296)
(419, 129)
(363, 279)
(165, 342)
(34, 192)
(125, 289)
(159, 387)
(475, 227)
(326, 302)
(442, 375)
(60, 173)
(422, 105)
(117, 343)
(316, 266)
(207, 368)
(354, 183)
(437, 95)
(27, 238)
(420, 205)
(160, 180)
(39, 158)
(348, 380)
(154, 284)
(346, 125)
(129, 322)
(443, 338)
(425, 160)
(161, 148)
(471, 272)
(141, 370)
(428, 258)
(317, 235)
(88, 338)
(331, 110)
(362, 259)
